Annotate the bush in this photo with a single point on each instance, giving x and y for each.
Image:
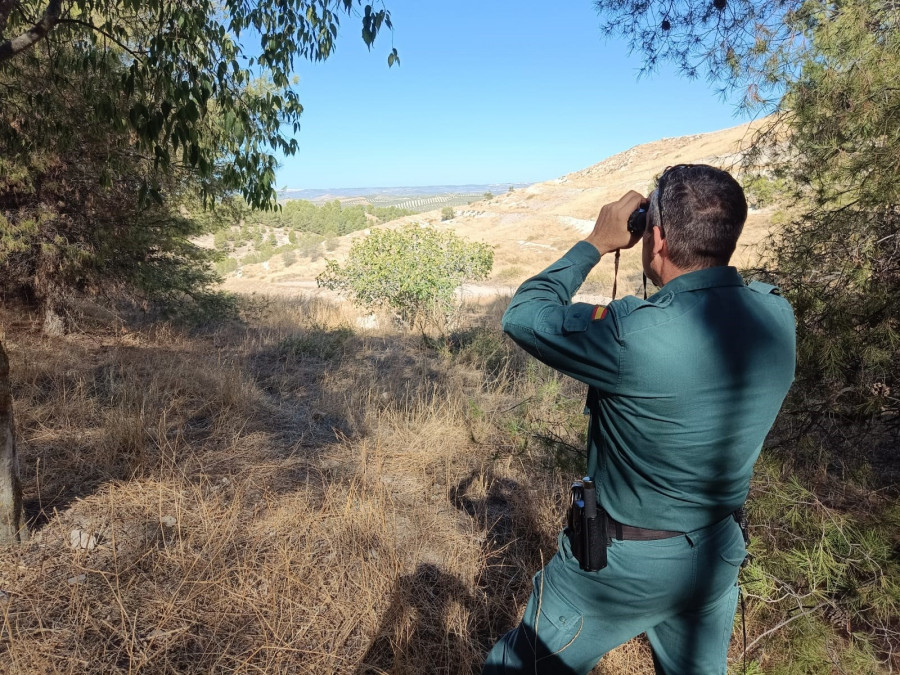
(226, 266)
(763, 191)
(447, 213)
(220, 239)
(414, 271)
(310, 245)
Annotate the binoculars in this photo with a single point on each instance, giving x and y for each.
(637, 221)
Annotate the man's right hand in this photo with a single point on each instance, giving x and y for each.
(611, 229)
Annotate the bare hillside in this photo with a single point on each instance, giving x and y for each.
(532, 226)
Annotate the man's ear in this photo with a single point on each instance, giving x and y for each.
(659, 244)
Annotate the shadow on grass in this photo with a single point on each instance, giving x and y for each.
(417, 621)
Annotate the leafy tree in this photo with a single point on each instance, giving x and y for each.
(447, 213)
(131, 118)
(414, 271)
(71, 216)
(185, 73)
(386, 214)
(838, 259)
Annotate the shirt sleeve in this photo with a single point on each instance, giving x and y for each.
(579, 339)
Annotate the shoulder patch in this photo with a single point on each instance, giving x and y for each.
(600, 313)
(765, 289)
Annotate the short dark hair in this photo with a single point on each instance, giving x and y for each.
(701, 210)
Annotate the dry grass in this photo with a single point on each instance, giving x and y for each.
(287, 495)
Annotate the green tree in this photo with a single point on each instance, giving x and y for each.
(385, 214)
(828, 72)
(414, 271)
(838, 259)
(447, 213)
(71, 215)
(132, 115)
(185, 74)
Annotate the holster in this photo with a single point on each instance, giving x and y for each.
(587, 526)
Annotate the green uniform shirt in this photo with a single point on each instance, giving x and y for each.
(690, 381)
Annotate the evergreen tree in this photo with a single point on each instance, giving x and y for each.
(828, 72)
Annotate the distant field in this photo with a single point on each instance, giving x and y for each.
(429, 203)
(413, 198)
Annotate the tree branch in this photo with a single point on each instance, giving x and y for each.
(35, 34)
(79, 22)
(784, 623)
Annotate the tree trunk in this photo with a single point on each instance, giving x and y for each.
(12, 517)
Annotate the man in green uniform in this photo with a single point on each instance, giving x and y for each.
(685, 386)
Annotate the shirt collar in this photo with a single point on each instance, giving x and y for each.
(710, 277)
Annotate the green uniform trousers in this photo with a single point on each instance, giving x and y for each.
(681, 591)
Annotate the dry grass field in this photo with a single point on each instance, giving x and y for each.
(283, 495)
(294, 494)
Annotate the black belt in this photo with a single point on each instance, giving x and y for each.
(631, 533)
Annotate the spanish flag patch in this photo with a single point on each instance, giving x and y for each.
(599, 313)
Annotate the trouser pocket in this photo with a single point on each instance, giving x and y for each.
(554, 622)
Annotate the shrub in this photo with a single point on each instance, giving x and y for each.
(226, 266)
(447, 213)
(414, 271)
(220, 239)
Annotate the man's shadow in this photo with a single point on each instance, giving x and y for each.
(417, 628)
(419, 633)
(515, 547)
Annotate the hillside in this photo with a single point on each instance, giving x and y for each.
(532, 226)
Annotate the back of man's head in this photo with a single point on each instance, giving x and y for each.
(702, 211)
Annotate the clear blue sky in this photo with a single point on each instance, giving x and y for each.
(486, 92)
